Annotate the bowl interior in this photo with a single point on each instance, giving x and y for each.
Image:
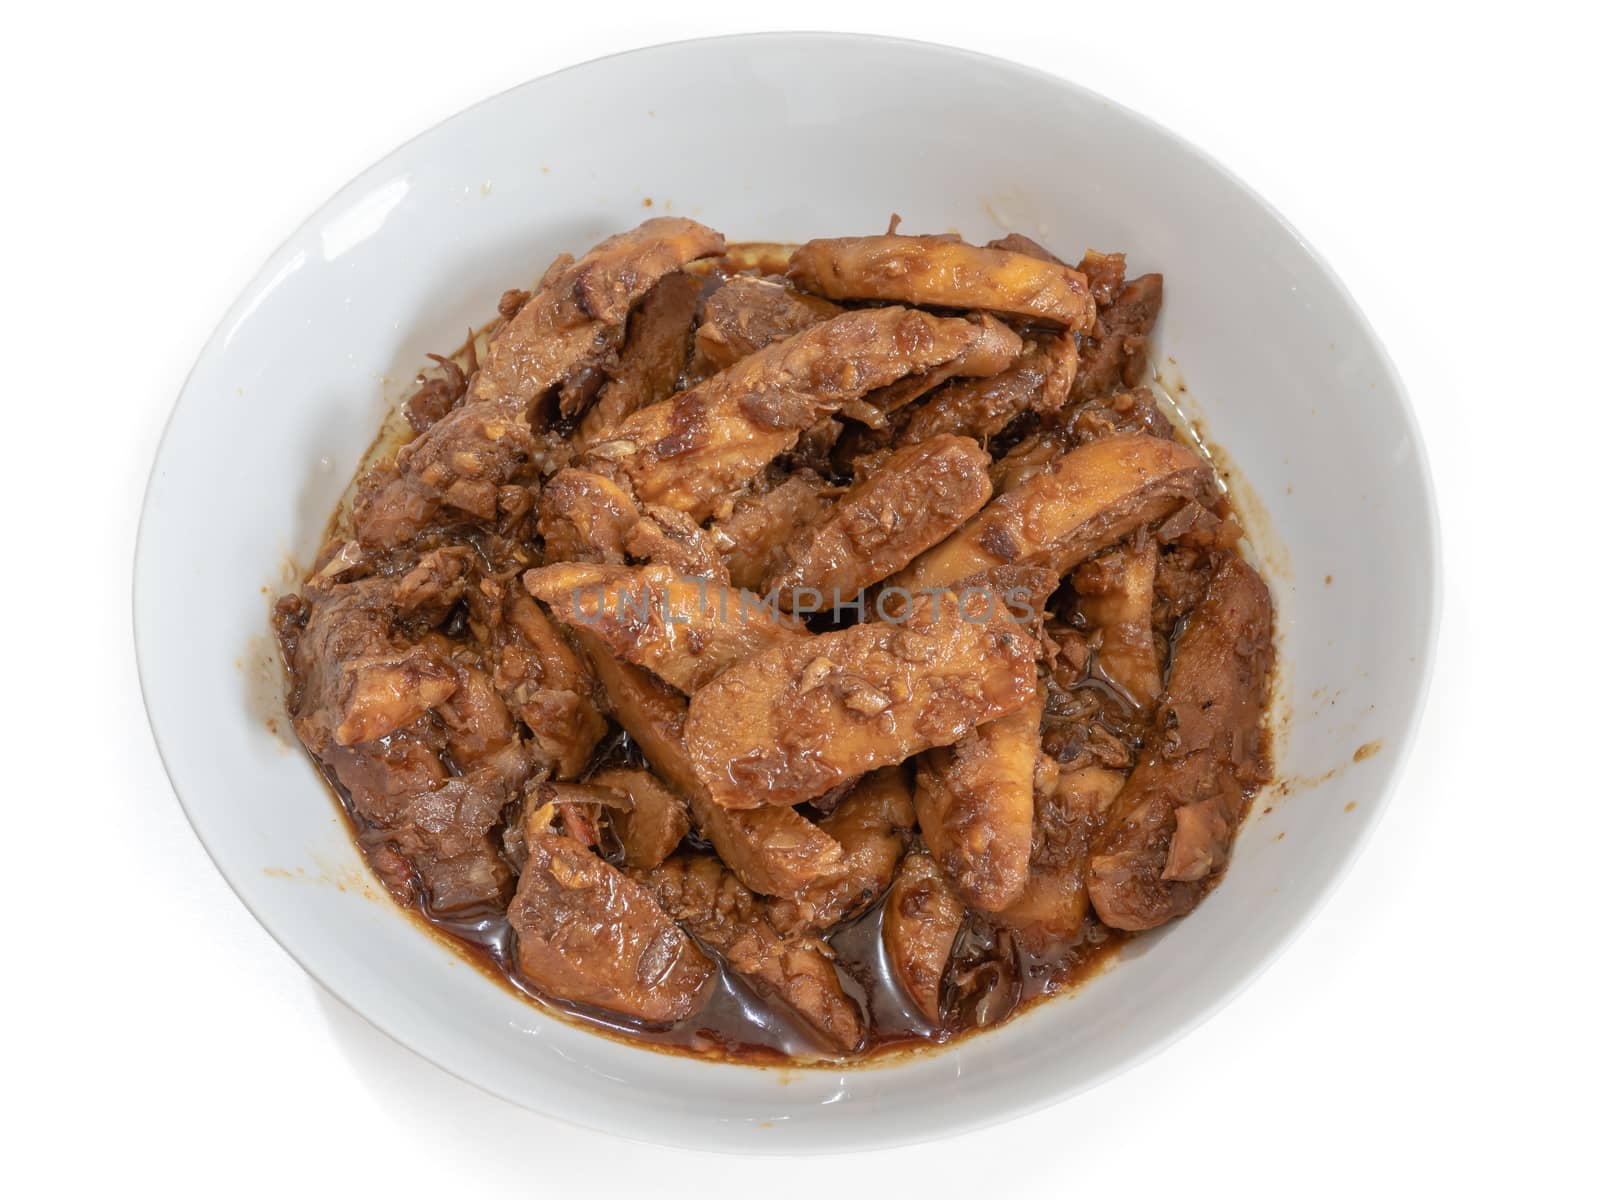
(782, 137)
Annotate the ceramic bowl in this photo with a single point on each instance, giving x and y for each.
(783, 137)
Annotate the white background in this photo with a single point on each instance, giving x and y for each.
(1435, 1027)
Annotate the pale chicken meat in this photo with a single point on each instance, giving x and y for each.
(1087, 500)
(975, 806)
(686, 631)
(945, 273)
(789, 724)
(694, 450)
(914, 499)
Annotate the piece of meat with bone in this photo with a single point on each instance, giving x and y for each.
(872, 825)
(693, 451)
(921, 918)
(654, 354)
(1039, 382)
(913, 500)
(1171, 829)
(588, 934)
(657, 820)
(684, 630)
(945, 273)
(747, 314)
(763, 522)
(1116, 353)
(541, 678)
(1085, 501)
(975, 806)
(794, 722)
(774, 851)
(1116, 596)
(561, 334)
(1050, 912)
(708, 901)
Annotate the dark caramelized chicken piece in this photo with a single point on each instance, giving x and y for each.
(921, 919)
(652, 360)
(1117, 351)
(762, 523)
(945, 273)
(687, 631)
(914, 499)
(1082, 503)
(1171, 829)
(1039, 382)
(747, 314)
(694, 450)
(564, 332)
(588, 934)
(975, 806)
(774, 851)
(654, 822)
(723, 914)
(791, 723)
(871, 825)
(1116, 595)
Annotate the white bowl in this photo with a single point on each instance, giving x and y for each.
(782, 137)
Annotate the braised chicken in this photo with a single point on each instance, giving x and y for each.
(783, 653)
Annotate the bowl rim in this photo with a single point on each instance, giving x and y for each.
(1380, 799)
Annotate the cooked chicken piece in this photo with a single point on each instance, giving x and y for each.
(1106, 274)
(652, 359)
(359, 680)
(539, 676)
(747, 314)
(1039, 382)
(1116, 594)
(871, 825)
(579, 805)
(944, 273)
(975, 806)
(694, 450)
(708, 901)
(1027, 458)
(763, 523)
(1049, 913)
(921, 919)
(774, 851)
(585, 517)
(588, 934)
(794, 722)
(563, 333)
(1082, 503)
(1117, 351)
(915, 499)
(1171, 829)
(686, 631)
(1135, 411)
(673, 539)
(658, 820)
(989, 355)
